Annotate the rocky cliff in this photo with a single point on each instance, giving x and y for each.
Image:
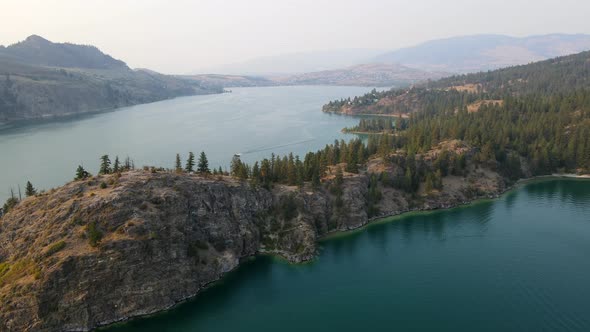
(41, 79)
(118, 246)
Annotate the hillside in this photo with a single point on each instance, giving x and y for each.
(539, 112)
(41, 79)
(230, 81)
(562, 75)
(485, 52)
(116, 246)
(38, 51)
(359, 75)
(363, 75)
(294, 63)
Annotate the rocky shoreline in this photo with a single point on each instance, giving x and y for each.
(164, 237)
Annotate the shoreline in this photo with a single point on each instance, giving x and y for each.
(516, 185)
(69, 116)
(403, 116)
(356, 132)
(341, 233)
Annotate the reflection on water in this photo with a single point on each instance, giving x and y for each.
(518, 263)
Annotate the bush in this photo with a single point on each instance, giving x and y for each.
(4, 267)
(94, 234)
(55, 248)
(103, 185)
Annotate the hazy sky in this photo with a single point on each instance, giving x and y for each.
(177, 36)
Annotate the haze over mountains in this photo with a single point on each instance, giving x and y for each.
(485, 52)
(40, 79)
(429, 60)
(294, 63)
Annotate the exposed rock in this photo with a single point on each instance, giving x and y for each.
(158, 238)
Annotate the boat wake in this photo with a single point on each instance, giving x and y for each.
(267, 148)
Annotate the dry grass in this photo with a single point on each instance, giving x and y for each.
(474, 107)
(471, 88)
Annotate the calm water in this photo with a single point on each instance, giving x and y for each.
(251, 121)
(519, 263)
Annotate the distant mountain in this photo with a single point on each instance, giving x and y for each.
(229, 81)
(41, 79)
(359, 75)
(485, 52)
(296, 63)
(363, 75)
(38, 51)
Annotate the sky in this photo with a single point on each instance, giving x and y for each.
(181, 36)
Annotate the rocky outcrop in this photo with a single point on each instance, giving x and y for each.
(113, 247)
(146, 242)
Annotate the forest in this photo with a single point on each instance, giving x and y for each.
(540, 116)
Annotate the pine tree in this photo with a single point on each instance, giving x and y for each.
(81, 173)
(178, 164)
(10, 203)
(190, 162)
(255, 179)
(117, 165)
(30, 190)
(127, 164)
(105, 165)
(315, 180)
(203, 166)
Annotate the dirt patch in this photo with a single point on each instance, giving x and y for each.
(471, 88)
(474, 107)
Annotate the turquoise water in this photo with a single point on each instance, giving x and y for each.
(519, 263)
(251, 121)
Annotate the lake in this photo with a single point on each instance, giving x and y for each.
(518, 263)
(252, 121)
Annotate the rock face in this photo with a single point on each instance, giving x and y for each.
(40, 79)
(163, 237)
(86, 255)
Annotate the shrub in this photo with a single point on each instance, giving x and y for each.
(94, 234)
(55, 248)
(103, 185)
(4, 267)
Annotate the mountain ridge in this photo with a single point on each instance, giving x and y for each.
(36, 50)
(473, 53)
(40, 79)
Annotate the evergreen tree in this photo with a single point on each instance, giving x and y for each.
(105, 165)
(30, 190)
(10, 204)
(190, 163)
(178, 164)
(203, 166)
(255, 178)
(81, 173)
(116, 165)
(127, 164)
(315, 181)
